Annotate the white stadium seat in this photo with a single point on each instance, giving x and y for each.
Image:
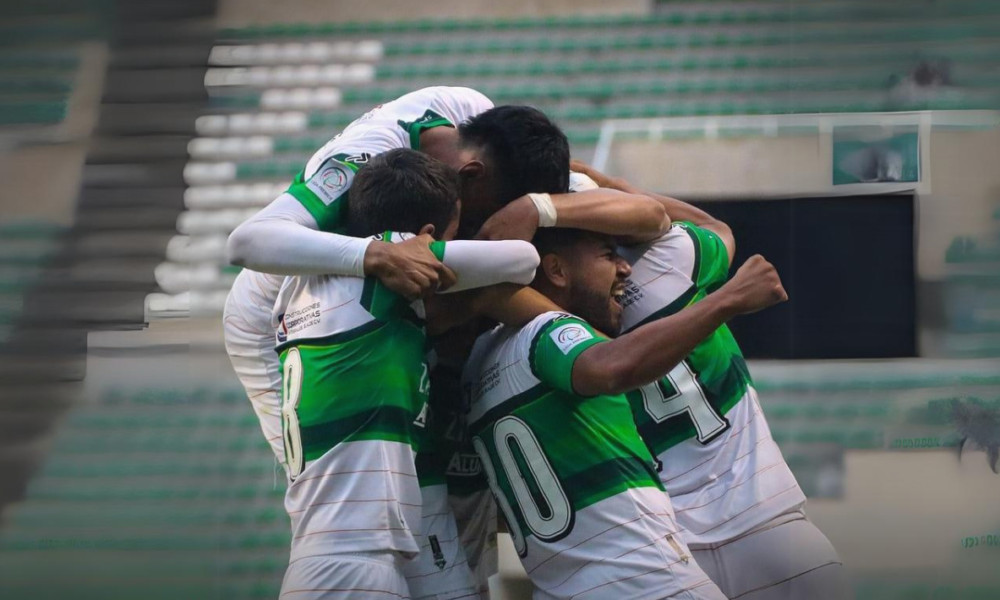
(295, 53)
(301, 98)
(289, 75)
(207, 248)
(259, 146)
(175, 278)
(232, 196)
(249, 124)
(206, 222)
(202, 173)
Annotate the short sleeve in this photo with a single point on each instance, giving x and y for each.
(711, 259)
(555, 348)
(324, 194)
(376, 298)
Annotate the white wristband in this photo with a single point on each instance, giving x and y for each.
(546, 210)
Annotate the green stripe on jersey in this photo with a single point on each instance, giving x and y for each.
(381, 423)
(371, 387)
(591, 444)
(723, 386)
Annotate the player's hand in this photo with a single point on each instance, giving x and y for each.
(599, 178)
(516, 221)
(755, 286)
(409, 268)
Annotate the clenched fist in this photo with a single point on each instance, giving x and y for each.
(755, 286)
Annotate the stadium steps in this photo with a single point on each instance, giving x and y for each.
(675, 15)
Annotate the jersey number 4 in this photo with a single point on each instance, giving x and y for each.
(543, 502)
(679, 393)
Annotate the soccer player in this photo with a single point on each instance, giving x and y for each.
(355, 385)
(575, 482)
(732, 492)
(501, 154)
(456, 484)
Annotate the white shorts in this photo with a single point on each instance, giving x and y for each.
(359, 575)
(786, 559)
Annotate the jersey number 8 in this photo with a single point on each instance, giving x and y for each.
(537, 491)
(291, 390)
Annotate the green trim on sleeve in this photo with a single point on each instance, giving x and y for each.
(556, 347)
(325, 194)
(438, 249)
(429, 120)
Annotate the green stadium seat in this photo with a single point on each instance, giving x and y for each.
(32, 113)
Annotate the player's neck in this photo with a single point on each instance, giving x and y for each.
(560, 296)
(441, 143)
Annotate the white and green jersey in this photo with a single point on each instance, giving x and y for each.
(723, 471)
(324, 184)
(321, 188)
(442, 571)
(461, 511)
(577, 486)
(354, 393)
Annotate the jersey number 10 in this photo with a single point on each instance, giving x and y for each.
(539, 494)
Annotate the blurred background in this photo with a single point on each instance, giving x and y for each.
(854, 143)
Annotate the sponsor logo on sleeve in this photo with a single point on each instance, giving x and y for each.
(282, 332)
(569, 336)
(331, 181)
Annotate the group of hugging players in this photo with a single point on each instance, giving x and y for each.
(445, 319)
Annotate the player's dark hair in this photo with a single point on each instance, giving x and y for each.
(528, 151)
(553, 240)
(402, 190)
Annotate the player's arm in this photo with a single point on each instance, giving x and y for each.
(505, 303)
(479, 264)
(634, 216)
(284, 239)
(500, 269)
(676, 209)
(651, 351)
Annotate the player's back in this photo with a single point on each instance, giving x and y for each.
(723, 471)
(398, 124)
(354, 392)
(584, 506)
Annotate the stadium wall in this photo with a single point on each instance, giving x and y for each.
(956, 198)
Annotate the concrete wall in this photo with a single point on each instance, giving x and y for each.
(957, 197)
(43, 168)
(247, 12)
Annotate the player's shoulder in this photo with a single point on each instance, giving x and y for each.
(560, 328)
(457, 94)
(673, 251)
(548, 320)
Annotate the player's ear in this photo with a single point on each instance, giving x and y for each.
(474, 169)
(428, 229)
(555, 270)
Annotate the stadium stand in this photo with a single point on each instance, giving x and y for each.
(169, 489)
(280, 91)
